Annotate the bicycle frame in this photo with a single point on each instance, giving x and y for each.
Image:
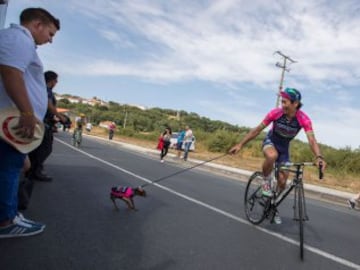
(258, 207)
(295, 182)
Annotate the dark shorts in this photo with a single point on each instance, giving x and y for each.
(283, 150)
(179, 145)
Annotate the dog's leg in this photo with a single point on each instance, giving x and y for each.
(113, 200)
(128, 203)
(133, 204)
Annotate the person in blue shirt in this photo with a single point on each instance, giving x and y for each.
(180, 141)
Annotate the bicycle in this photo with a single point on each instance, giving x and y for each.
(77, 137)
(259, 207)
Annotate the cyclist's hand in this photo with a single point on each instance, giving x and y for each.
(235, 149)
(321, 164)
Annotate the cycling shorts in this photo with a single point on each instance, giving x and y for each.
(283, 150)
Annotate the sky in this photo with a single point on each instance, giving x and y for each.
(214, 58)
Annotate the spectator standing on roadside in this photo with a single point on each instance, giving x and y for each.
(88, 127)
(22, 85)
(40, 154)
(112, 128)
(354, 201)
(188, 139)
(165, 136)
(179, 143)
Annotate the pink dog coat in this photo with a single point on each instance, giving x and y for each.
(121, 192)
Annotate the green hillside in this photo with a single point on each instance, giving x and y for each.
(212, 135)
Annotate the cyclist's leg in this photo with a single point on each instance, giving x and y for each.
(283, 175)
(271, 155)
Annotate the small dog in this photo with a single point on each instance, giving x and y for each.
(126, 194)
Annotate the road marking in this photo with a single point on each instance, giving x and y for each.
(221, 212)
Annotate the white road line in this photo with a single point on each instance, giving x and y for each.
(221, 212)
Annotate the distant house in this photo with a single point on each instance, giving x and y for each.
(73, 99)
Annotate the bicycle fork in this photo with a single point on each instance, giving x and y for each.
(299, 192)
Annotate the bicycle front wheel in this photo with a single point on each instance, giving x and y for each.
(255, 203)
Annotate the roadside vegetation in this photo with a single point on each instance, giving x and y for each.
(214, 137)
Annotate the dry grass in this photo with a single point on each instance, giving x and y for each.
(246, 162)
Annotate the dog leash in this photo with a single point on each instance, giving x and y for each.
(182, 171)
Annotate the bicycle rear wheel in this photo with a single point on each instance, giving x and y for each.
(300, 200)
(255, 203)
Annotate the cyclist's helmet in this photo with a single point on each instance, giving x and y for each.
(291, 94)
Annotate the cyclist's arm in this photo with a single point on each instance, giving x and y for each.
(306, 123)
(315, 149)
(248, 137)
(270, 117)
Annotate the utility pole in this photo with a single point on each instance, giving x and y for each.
(125, 117)
(284, 68)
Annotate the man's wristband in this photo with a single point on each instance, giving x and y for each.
(27, 114)
(320, 157)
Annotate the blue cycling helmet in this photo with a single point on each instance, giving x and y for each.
(291, 94)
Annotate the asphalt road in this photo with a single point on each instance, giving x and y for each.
(193, 220)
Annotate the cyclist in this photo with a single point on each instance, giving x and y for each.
(286, 123)
(80, 122)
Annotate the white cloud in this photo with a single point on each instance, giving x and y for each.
(336, 126)
(229, 43)
(233, 41)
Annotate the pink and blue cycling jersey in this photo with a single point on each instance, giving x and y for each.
(284, 130)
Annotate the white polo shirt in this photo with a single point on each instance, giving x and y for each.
(18, 50)
(188, 136)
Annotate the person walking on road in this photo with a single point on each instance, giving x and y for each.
(22, 85)
(180, 142)
(165, 137)
(112, 128)
(188, 139)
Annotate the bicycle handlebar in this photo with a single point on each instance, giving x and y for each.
(302, 164)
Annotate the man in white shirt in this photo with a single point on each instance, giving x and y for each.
(22, 85)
